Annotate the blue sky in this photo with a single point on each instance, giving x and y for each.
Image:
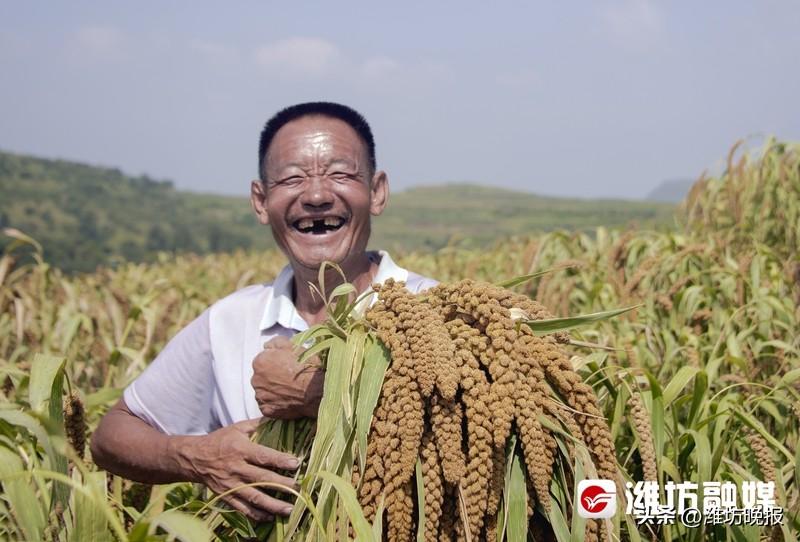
(604, 98)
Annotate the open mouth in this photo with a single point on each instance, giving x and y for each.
(319, 226)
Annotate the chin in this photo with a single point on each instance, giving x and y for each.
(314, 261)
(311, 253)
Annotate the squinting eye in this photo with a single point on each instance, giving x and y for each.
(290, 181)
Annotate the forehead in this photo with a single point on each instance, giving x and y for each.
(315, 136)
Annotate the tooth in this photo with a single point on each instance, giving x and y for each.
(305, 223)
(332, 221)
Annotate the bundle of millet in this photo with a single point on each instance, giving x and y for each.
(464, 377)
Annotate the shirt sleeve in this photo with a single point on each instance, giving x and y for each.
(175, 393)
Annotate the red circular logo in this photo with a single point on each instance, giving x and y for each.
(594, 499)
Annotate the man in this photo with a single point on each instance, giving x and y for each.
(190, 415)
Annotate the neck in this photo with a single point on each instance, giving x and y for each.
(358, 271)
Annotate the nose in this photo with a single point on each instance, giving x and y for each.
(317, 194)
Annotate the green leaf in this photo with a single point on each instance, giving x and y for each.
(376, 361)
(464, 514)
(47, 384)
(33, 425)
(316, 349)
(516, 281)
(45, 372)
(18, 490)
(790, 377)
(313, 333)
(757, 426)
(354, 354)
(103, 396)
(659, 427)
(698, 396)
(733, 347)
(578, 527)
(633, 531)
(557, 521)
(334, 434)
(769, 407)
(347, 494)
(71, 330)
(91, 523)
(341, 290)
(552, 325)
(517, 498)
(377, 525)
(420, 502)
(678, 382)
(502, 519)
(797, 465)
(182, 526)
(336, 379)
(702, 454)
(138, 532)
(20, 239)
(339, 458)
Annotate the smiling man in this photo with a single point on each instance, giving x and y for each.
(190, 415)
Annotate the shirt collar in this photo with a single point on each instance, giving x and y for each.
(279, 307)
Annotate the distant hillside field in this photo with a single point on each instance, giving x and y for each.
(85, 216)
(427, 217)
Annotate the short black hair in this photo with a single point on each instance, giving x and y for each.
(328, 109)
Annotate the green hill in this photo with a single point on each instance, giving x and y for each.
(86, 216)
(477, 215)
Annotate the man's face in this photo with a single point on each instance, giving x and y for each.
(319, 195)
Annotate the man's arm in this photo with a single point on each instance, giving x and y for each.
(222, 460)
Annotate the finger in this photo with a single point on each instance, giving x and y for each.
(255, 498)
(258, 474)
(263, 456)
(252, 512)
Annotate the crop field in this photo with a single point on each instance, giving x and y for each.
(699, 382)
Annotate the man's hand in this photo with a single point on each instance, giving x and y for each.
(226, 459)
(223, 460)
(286, 389)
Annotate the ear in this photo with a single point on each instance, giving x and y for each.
(258, 200)
(379, 193)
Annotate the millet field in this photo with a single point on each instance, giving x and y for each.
(467, 412)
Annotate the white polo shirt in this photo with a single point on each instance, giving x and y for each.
(201, 380)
